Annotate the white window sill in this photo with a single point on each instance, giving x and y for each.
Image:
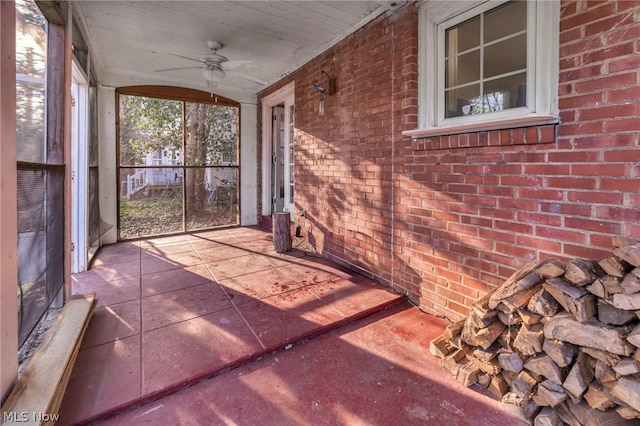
(505, 123)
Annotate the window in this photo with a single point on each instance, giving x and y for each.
(178, 161)
(40, 178)
(487, 65)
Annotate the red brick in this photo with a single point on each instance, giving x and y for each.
(539, 244)
(560, 234)
(584, 18)
(627, 125)
(620, 213)
(604, 25)
(539, 218)
(629, 185)
(592, 225)
(608, 82)
(592, 197)
(599, 170)
(586, 252)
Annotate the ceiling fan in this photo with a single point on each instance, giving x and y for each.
(214, 66)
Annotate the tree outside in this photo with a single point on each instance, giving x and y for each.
(174, 158)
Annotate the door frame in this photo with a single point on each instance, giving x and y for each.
(286, 96)
(79, 169)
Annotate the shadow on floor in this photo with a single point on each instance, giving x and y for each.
(217, 328)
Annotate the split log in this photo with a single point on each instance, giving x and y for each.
(512, 318)
(520, 281)
(627, 367)
(529, 317)
(629, 302)
(621, 241)
(634, 336)
(605, 287)
(630, 254)
(486, 355)
(511, 361)
(282, 232)
(562, 353)
(614, 267)
(590, 334)
(498, 386)
(580, 376)
(529, 339)
(604, 356)
(547, 417)
(524, 408)
(628, 413)
(631, 282)
(588, 417)
(524, 384)
(575, 300)
(604, 373)
(467, 372)
(550, 394)
(440, 347)
(543, 365)
(598, 397)
(609, 314)
(627, 389)
(453, 330)
(543, 303)
(551, 268)
(483, 337)
(582, 271)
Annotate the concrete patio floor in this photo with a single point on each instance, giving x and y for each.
(217, 328)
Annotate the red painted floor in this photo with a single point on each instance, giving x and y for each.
(210, 328)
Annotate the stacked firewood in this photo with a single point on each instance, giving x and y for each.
(557, 342)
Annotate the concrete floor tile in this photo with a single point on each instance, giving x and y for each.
(181, 351)
(116, 253)
(238, 266)
(114, 271)
(183, 304)
(108, 292)
(104, 377)
(288, 316)
(109, 323)
(174, 279)
(377, 371)
(253, 286)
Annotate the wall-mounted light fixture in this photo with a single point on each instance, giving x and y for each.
(328, 87)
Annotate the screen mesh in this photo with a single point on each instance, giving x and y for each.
(40, 236)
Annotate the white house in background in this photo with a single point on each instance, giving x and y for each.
(149, 177)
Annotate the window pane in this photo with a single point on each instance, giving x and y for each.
(212, 197)
(150, 201)
(505, 93)
(212, 134)
(458, 102)
(505, 20)
(462, 37)
(505, 56)
(462, 69)
(150, 131)
(31, 56)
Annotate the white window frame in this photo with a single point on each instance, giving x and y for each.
(543, 18)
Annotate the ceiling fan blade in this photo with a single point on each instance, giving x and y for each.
(248, 77)
(181, 56)
(229, 65)
(176, 69)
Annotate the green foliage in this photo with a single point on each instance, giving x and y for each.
(148, 125)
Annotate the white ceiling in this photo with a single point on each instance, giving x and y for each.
(131, 40)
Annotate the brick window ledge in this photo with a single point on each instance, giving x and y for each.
(532, 129)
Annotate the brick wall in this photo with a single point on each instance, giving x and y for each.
(446, 219)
